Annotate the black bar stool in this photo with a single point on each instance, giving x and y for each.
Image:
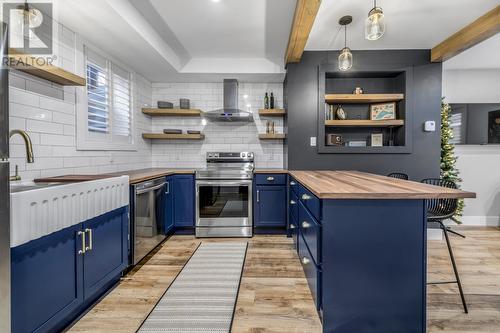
(398, 175)
(439, 210)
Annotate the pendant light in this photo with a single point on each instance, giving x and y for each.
(375, 23)
(31, 17)
(345, 57)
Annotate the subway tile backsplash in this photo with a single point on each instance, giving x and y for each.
(47, 112)
(219, 136)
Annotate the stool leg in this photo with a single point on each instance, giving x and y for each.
(454, 232)
(445, 230)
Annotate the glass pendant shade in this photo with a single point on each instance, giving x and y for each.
(345, 59)
(375, 24)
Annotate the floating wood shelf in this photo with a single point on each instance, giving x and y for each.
(362, 98)
(34, 66)
(272, 136)
(162, 136)
(172, 112)
(272, 112)
(364, 123)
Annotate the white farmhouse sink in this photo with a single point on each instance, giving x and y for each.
(37, 210)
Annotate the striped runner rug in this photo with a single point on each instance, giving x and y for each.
(203, 296)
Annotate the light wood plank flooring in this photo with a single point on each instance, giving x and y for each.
(274, 296)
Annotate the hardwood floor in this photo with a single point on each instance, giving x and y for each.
(274, 296)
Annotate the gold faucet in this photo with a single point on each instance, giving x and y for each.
(29, 150)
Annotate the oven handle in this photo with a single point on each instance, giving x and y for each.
(223, 182)
(149, 189)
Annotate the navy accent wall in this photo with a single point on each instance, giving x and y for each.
(301, 93)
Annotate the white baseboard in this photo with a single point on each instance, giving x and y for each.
(434, 234)
(481, 221)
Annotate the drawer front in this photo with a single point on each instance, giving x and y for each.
(293, 204)
(311, 271)
(311, 231)
(311, 202)
(293, 185)
(270, 179)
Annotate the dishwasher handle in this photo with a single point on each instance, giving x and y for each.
(149, 189)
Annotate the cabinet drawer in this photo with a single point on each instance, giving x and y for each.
(310, 201)
(311, 231)
(293, 204)
(270, 179)
(293, 225)
(293, 185)
(311, 271)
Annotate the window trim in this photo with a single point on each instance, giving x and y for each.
(86, 140)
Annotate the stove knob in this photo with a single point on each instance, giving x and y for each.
(243, 154)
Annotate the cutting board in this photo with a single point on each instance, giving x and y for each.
(70, 178)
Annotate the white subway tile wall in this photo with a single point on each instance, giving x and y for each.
(47, 112)
(219, 136)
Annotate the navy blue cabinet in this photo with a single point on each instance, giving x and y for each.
(183, 200)
(53, 280)
(168, 205)
(270, 206)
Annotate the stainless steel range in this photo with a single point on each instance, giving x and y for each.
(224, 195)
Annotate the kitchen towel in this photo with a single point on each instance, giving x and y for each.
(203, 296)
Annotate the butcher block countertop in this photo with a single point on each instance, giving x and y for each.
(141, 175)
(360, 185)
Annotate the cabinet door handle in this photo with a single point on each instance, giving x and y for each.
(306, 225)
(305, 260)
(293, 202)
(270, 179)
(292, 183)
(167, 184)
(306, 197)
(82, 234)
(88, 248)
(258, 196)
(292, 226)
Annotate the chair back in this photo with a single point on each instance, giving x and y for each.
(398, 175)
(441, 208)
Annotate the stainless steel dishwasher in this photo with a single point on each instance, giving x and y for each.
(147, 229)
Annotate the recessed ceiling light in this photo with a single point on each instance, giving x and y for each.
(215, 0)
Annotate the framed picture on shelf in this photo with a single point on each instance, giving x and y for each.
(377, 140)
(383, 111)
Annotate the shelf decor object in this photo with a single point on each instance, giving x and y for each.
(345, 57)
(162, 136)
(172, 112)
(272, 136)
(375, 23)
(43, 69)
(272, 112)
(383, 111)
(365, 123)
(362, 98)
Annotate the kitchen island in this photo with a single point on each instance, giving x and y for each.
(361, 239)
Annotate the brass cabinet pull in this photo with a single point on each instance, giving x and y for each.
(306, 197)
(82, 251)
(292, 183)
(270, 179)
(305, 260)
(306, 224)
(293, 202)
(88, 248)
(292, 226)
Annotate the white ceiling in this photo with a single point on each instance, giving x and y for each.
(410, 24)
(206, 41)
(188, 40)
(485, 55)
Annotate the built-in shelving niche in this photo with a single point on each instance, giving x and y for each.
(379, 84)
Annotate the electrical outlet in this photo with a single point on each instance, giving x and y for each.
(313, 141)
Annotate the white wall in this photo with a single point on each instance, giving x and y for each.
(219, 136)
(47, 112)
(478, 165)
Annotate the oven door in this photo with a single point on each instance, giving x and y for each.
(223, 208)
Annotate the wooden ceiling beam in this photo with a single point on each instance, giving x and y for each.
(303, 19)
(474, 33)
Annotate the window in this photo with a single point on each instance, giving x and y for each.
(105, 114)
(456, 127)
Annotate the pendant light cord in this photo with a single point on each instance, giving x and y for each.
(345, 36)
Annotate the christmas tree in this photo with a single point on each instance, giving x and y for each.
(448, 159)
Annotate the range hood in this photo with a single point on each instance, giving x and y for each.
(230, 111)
